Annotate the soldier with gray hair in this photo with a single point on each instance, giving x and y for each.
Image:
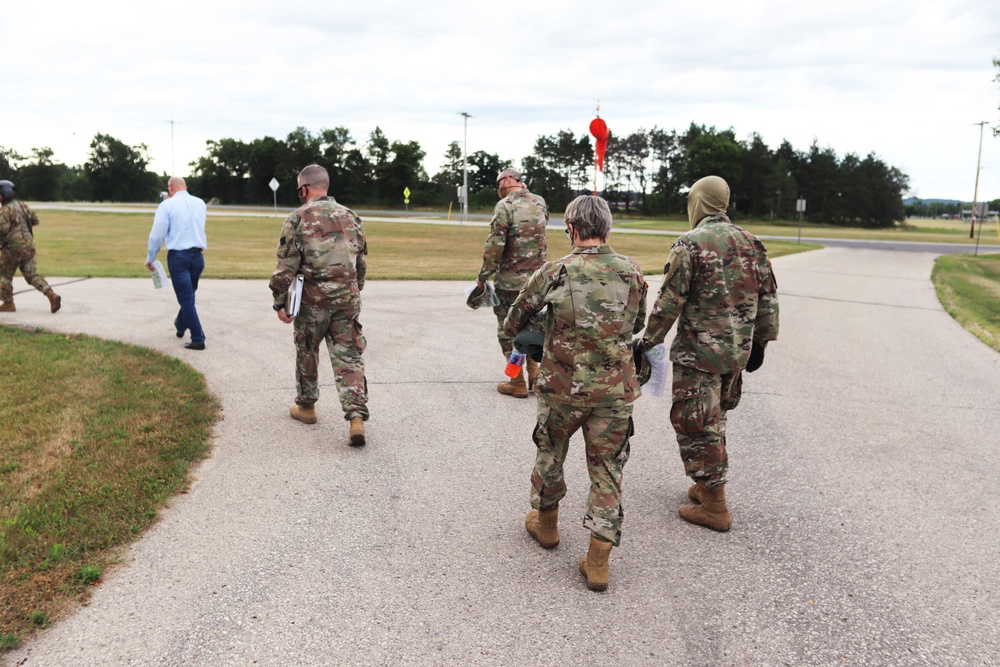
(719, 287)
(514, 249)
(592, 301)
(324, 242)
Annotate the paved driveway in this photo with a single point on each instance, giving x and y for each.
(863, 489)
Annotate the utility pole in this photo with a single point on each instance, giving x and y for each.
(975, 196)
(173, 167)
(465, 166)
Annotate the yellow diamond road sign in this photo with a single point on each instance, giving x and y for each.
(406, 192)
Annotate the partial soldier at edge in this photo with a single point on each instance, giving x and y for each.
(17, 250)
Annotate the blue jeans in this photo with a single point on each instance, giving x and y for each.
(185, 268)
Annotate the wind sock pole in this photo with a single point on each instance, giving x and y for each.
(599, 129)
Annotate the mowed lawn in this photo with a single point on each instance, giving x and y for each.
(96, 244)
(914, 230)
(969, 289)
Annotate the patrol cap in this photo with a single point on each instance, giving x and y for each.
(513, 173)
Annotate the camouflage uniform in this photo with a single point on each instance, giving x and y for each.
(513, 251)
(719, 286)
(325, 242)
(592, 302)
(18, 248)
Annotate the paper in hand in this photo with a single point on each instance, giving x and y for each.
(294, 298)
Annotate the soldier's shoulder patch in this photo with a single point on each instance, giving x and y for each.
(673, 263)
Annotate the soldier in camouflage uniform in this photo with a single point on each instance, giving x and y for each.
(513, 251)
(325, 242)
(17, 249)
(719, 286)
(592, 302)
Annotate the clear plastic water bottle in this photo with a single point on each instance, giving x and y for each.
(514, 364)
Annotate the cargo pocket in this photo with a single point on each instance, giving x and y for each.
(731, 391)
(540, 434)
(688, 413)
(358, 338)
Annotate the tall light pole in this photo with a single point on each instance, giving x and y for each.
(975, 196)
(465, 166)
(173, 167)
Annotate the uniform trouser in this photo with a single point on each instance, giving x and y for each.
(10, 262)
(506, 299)
(606, 433)
(185, 270)
(698, 414)
(345, 342)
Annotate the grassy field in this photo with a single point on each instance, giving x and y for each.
(969, 289)
(74, 243)
(926, 231)
(97, 437)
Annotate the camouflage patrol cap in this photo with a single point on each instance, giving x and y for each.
(482, 295)
(513, 173)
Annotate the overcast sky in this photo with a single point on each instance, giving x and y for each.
(906, 79)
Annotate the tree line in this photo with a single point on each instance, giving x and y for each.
(647, 172)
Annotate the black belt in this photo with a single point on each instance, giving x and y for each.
(187, 250)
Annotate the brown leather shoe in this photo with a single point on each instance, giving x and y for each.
(543, 527)
(594, 565)
(357, 433)
(303, 414)
(7, 307)
(712, 512)
(55, 301)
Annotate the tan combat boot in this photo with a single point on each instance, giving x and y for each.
(303, 414)
(55, 301)
(7, 307)
(695, 494)
(357, 432)
(515, 387)
(532, 373)
(712, 512)
(542, 525)
(594, 565)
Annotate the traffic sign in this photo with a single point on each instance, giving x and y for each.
(274, 184)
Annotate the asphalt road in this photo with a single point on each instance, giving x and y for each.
(863, 490)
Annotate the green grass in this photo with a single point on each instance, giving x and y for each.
(97, 437)
(969, 289)
(96, 244)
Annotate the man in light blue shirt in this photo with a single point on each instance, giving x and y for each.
(180, 221)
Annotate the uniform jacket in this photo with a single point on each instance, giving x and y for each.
(515, 247)
(325, 242)
(719, 286)
(593, 300)
(16, 223)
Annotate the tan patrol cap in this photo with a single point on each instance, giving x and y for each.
(513, 173)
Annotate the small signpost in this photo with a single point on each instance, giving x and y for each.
(406, 198)
(274, 189)
(800, 206)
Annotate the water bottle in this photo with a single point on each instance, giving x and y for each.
(514, 364)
